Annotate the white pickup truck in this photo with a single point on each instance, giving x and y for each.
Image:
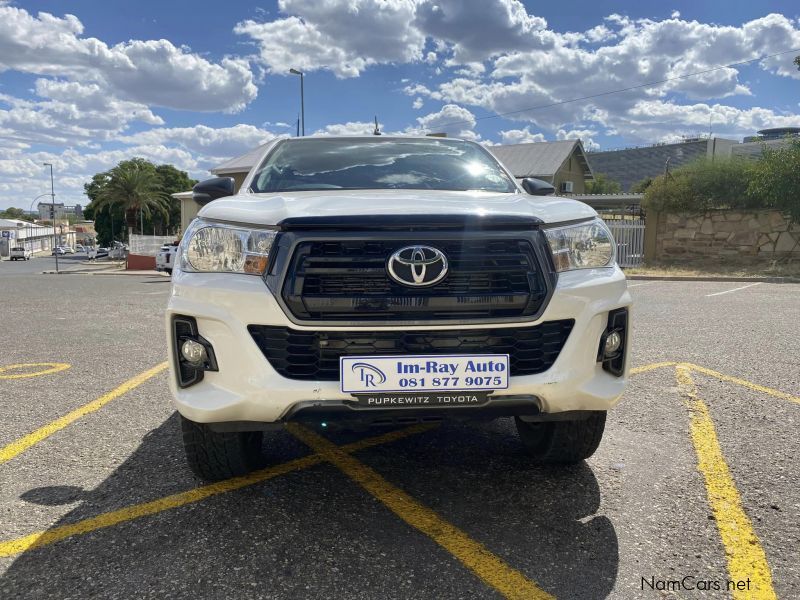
(388, 280)
(20, 253)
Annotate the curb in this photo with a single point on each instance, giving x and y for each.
(712, 278)
(107, 272)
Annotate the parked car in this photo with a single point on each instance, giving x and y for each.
(20, 253)
(69, 250)
(81, 248)
(59, 250)
(165, 259)
(102, 253)
(377, 281)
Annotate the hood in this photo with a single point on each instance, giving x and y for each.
(271, 209)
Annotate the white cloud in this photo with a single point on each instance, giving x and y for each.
(418, 102)
(479, 29)
(153, 72)
(533, 85)
(585, 135)
(343, 36)
(212, 143)
(520, 136)
(453, 120)
(350, 128)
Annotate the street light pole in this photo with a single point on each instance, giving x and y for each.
(53, 204)
(302, 101)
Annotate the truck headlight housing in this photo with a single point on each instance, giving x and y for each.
(584, 246)
(209, 247)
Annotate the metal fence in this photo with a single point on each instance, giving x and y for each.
(148, 245)
(629, 235)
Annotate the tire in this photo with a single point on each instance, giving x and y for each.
(169, 271)
(562, 442)
(213, 456)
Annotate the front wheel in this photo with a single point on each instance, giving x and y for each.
(213, 455)
(562, 442)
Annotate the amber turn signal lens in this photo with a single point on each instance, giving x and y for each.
(255, 264)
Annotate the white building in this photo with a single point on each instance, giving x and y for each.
(14, 233)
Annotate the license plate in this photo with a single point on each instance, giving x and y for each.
(434, 373)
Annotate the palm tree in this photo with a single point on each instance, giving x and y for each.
(136, 189)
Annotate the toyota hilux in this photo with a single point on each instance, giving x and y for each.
(379, 281)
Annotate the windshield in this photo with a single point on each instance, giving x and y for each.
(367, 164)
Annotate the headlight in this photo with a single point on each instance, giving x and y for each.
(217, 248)
(584, 246)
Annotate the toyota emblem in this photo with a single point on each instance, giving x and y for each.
(417, 266)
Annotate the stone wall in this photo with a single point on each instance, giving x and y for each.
(725, 233)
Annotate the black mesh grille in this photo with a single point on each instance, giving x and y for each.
(348, 280)
(315, 354)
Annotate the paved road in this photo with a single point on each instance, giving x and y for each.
(39, 264)
(638, 509)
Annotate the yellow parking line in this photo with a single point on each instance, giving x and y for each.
(652, 367)
(744, 383)
(477, 558)
(17, 447)
(136, 511)
(746, 558)
(50, 368)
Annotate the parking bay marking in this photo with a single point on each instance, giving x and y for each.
(744, 287)
(746, 557)
(49, 368)
(41, 538)
(136, 511)
(473, 555)
(17, 447)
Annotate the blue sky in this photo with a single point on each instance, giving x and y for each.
(85, 84)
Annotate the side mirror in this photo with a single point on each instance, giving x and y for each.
(536, 187)
(211, 189)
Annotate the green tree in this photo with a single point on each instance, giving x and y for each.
(797, 62)
(109, 217)
(641, 186)
(603, 185)
(16, 213)
(775, 180)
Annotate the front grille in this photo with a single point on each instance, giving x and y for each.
(314, 355)
(347, 280)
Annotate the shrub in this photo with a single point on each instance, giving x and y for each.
(702, 186)
(775, 180)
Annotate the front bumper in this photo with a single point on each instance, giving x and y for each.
(247, 388)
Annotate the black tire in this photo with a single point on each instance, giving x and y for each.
(169, 271)
(213, 456)
(562, 442)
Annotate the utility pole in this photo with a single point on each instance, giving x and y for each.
(302, 101)
(53, 208)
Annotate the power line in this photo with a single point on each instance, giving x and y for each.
(618, 91)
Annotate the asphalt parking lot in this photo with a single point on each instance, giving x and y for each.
(697, 474)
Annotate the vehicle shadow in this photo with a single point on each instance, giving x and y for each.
(316, 534)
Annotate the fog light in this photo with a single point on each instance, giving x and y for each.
(193, 352)
(613, 343)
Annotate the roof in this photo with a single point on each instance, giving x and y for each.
(240, 164)
(539, 159)
(608, 200)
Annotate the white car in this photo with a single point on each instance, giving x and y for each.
(387, 280)
(20, 253)
(165, 259)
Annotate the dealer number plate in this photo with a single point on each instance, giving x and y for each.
(436, 373)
